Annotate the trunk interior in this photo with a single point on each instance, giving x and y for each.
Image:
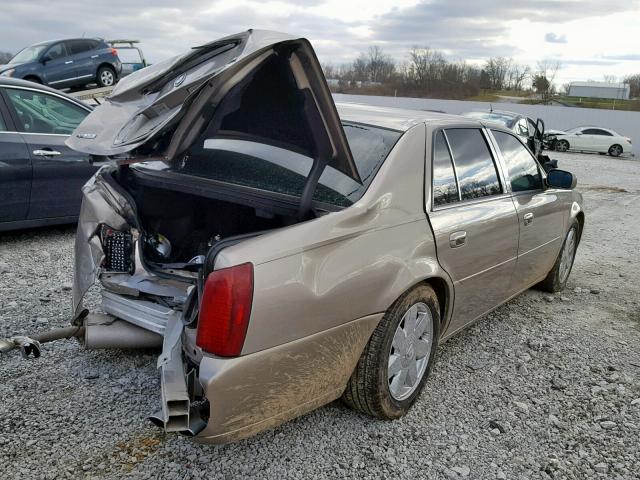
(191, 223)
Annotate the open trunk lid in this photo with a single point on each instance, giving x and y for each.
(259, 86)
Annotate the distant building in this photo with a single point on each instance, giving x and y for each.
(618, 91)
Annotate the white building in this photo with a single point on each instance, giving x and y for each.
(618, 91)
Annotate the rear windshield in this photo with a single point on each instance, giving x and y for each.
(501, 118)
(275, 169)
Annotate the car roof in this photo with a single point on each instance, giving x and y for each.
(17, 82)
(51, 42)
(395, 118)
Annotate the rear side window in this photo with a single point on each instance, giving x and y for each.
(596, 131)
(80, 46)
(445, 188)
(523, 170)
(477, 174)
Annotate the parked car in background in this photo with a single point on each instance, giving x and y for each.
(590, 139)
(130, 55)
(66, 63)
(40, 177)
(286, 252)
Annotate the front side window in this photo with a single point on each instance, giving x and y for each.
(523, 170)
(477, 174)
(445, 188)
(41, 113)
(56, 51)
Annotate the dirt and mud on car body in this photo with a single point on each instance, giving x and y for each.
(157, 226)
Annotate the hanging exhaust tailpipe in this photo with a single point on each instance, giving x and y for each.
(105, 331)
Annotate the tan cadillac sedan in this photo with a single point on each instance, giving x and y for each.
(285, 252)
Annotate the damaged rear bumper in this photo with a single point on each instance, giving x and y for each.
(212, 399)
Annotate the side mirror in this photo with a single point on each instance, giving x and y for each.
(45, 58)
(557, 178)
(578, 133)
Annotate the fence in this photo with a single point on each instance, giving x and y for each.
(556, 117)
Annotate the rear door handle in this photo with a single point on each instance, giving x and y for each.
(46, 153)
(68, 62)
(457, 239)
(528, 218)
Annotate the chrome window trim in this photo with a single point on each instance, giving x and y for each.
(453, 164)
(34, 133)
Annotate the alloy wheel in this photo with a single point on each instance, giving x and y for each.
(410, 351)
(106, 77)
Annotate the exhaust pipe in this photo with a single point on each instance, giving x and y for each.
(105, 331)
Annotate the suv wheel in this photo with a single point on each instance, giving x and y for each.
(106, 77)
(398, 358)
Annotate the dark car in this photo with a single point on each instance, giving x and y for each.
(66, 63)
(40, 177)
(532, 133)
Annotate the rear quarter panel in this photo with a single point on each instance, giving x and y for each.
(345, 265)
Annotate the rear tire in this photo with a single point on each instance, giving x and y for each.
(557, 278)
(615, 150)
(106, 77)
(562, 146)
(397, 360)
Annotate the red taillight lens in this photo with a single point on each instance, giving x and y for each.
(114, 52)
(225, 309)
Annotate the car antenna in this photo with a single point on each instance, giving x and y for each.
(490, 108)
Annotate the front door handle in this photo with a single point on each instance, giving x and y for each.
(68, 62)
(528, 218)
(46, 153)
(457, 239)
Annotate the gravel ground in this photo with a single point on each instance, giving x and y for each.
(545, 387)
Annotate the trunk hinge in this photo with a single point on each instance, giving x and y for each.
(310, 186)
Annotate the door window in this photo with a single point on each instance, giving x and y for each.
(522, 128)
(477, 174)
(41, 113)
(3, 126)
(56, 51)
(79, 46)
(596, 131)
(524, 173)
(445, 188)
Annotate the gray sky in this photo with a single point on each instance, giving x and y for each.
(591, 38)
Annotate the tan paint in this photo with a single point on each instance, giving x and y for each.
(258, 391)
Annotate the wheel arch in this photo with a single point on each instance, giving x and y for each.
(31, 77)
(109, 66)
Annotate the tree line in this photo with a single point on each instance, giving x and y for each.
(428, 73)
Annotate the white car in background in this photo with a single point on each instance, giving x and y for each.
(590, 139)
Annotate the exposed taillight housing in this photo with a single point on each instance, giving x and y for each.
(114, 52)
(225, 309)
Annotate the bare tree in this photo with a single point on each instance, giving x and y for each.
(379, 65)
(546, 71)
(497, 69)
(518, 74)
